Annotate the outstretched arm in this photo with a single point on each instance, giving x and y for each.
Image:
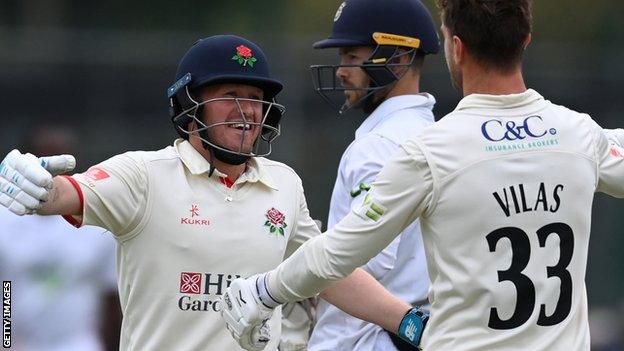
(402, 192)
(63, 200)
(362, 296)
(359, 295)
(28, 185)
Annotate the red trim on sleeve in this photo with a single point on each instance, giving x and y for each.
(69, 218)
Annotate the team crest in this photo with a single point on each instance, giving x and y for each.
(275, 221)
(244, 56)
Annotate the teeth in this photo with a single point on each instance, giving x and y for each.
(241, 126)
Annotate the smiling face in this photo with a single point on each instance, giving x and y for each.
(234, 116)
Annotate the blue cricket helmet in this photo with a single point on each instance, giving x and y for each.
(356, 21)
(216, 59)
(223, 59)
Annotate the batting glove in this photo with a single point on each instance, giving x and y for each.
(25, 180)
(245, 314)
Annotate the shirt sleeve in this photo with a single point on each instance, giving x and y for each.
(305, 228)
(366, 158)
(615, 136)
(610, 158)
(401, 193)
(115, 193)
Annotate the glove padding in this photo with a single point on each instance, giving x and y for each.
(25, 180)
(245, 315)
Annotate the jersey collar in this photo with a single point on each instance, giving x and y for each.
(193, 160)
(501, 102)
(391, 106)
(257, 172)
(197, 164)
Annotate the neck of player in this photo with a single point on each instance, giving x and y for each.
(480, 79)
(232, 171)
(409, 84)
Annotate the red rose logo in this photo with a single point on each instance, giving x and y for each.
(244, 56)
(275, 216)
(275, 221)
(244, 51)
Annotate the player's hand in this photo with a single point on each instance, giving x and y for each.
(245, 315)
(25, 180)
(413, 325)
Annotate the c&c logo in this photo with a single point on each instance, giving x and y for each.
(532, 126)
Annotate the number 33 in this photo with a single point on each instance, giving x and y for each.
(521, 249)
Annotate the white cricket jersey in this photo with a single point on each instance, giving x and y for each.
(59, 275)
(401, 267)
(503, 187)
(183, 237)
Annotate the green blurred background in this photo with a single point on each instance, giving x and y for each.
(103, 67)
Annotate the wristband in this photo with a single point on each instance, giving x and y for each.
(412, 325)
(263, 292)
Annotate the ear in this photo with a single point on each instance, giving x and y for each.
(404, 59)
(459, 50)
(527, 41)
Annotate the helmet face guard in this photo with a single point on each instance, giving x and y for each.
(380, 68)
(268, 126)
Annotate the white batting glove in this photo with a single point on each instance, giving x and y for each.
(245, 315)
(25, 180)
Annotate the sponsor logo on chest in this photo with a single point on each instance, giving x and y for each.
(202, 291)
(194, 219)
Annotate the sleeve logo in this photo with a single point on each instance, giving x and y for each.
(96, 173)
(371, 209)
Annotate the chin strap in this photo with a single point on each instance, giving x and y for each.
(212, 167)
(229, 157)
(224, 156)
